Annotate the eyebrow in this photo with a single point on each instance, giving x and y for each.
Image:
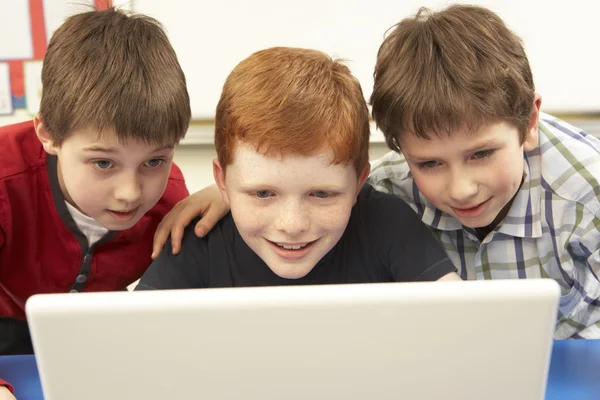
(250, 186)
(477, 147)
(112, 150)
(482, 145)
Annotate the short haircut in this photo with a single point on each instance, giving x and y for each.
(293, 101)
(457, 68)
(108, 70)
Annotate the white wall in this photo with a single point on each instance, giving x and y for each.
(195, 162)
(211, 37)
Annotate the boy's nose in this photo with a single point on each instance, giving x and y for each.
(292, 218)
(128, 189)
(462, 189)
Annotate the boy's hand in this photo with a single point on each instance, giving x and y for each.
(207, 202)
(5, 394)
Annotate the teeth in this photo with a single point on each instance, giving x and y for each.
(291, 246)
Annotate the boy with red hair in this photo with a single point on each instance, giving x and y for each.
(292, 138)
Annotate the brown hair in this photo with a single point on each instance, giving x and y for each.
(110, 70)
(441, 71)
(293, 101)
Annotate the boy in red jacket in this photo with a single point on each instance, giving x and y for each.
(84, 185)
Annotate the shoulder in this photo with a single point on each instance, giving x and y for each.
(375, 201)
(569, 163)
(397, 239)
(176, 174)
(391, 174)
(193, 266)
(384, 213)
(22, 168)
(185, 270)
(392, 167)
(21, 149)
(218, 237)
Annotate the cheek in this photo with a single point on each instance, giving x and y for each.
(247, 217)
(154, 187)
(428, 186)
(506, 176)
(333, 218)
(82, 177)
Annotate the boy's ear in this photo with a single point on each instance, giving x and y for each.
(219, 174)
(44, 136)
(362, 178)
(531, 136)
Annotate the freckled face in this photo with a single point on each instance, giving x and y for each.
(290, 210)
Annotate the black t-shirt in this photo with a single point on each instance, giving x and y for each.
(384, 241)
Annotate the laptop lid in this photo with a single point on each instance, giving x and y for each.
(460, 340)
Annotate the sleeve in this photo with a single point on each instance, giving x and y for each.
(185, 270)
(3, 218)
(2, 240)
(406, 244)
(585, 315)
(4, 383)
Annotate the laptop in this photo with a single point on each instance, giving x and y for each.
(438, 340)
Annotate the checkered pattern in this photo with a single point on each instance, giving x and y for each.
(552, 229)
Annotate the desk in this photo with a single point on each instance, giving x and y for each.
(574, 372)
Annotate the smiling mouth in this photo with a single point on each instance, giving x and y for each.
(292, 251)
(471, 212)
(292, 246)
(123, 216)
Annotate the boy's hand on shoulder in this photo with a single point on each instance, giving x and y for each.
(207, 203)
(5, 394)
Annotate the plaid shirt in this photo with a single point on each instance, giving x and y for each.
(551, 230)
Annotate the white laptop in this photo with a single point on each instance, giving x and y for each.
(431, 341)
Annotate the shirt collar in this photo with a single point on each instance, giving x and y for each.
(61, 205)
(524, 217)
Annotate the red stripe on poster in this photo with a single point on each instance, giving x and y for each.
(38, 28)
(17, 84)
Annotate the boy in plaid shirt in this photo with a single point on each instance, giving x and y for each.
(512, 193)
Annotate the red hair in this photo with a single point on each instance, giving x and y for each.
(293, 101)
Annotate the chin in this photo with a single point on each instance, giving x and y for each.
(116, 226)
(476, 224)
(290, 273)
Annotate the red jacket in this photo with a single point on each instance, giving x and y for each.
(41, 248)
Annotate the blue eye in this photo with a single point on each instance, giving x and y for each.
(155, 162)
(482, 154)
(321, 194)
(429, 164)
(102, 164)
(262, 194)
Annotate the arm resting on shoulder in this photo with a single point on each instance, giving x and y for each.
(207, 202)
(185, 270)
(406, 245)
